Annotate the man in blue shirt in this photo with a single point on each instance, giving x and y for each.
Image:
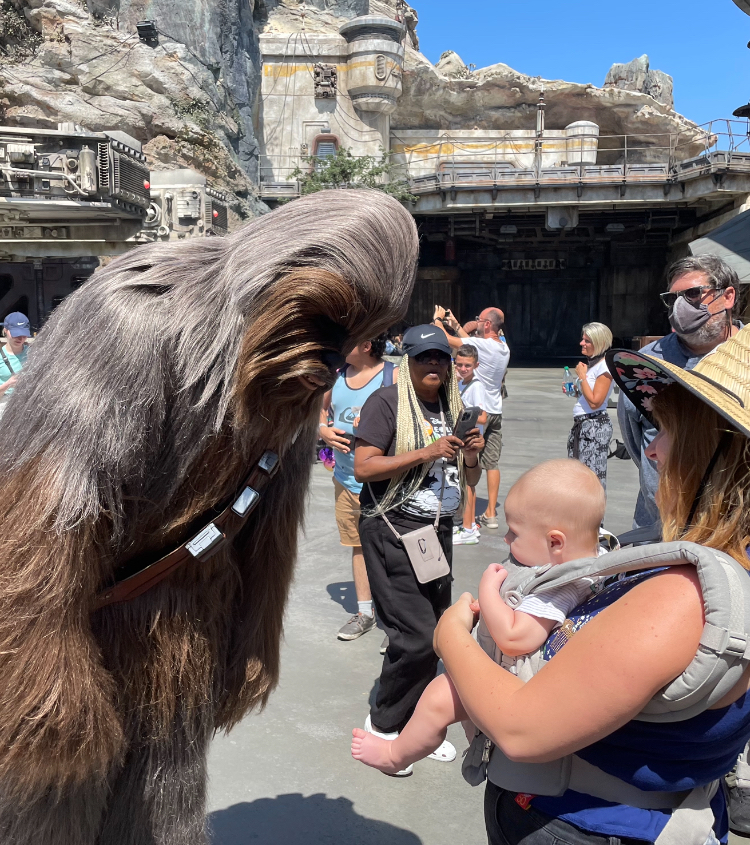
(16, 333)
(701, 293)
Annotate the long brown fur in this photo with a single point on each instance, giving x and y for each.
(105, 716)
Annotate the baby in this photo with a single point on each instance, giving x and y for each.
(553, 514)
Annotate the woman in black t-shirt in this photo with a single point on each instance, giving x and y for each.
(408, 460)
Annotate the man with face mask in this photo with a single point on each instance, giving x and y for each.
(701, 293)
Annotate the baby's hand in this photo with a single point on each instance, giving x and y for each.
(494, 576)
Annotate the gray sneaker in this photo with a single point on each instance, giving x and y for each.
(359, 624)
(488, 521)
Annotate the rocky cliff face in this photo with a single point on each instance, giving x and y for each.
(635, 100)
(188, 99)
(450, 95)
(191, 98)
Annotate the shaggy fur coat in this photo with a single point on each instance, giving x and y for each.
(146, 398)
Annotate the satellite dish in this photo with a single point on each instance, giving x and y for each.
(744, 5)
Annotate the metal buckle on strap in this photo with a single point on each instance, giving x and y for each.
(269, 462)
(205, 542)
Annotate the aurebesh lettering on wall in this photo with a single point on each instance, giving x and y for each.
(534, 264)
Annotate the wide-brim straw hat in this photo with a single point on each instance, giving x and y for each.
(721, 379)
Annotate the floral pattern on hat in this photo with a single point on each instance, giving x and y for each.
(639, 378)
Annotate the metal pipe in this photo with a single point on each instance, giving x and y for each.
(39, 290)
(45, 174)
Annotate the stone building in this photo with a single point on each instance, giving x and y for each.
(559, 202)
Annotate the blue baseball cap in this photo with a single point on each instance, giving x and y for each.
(17, 325)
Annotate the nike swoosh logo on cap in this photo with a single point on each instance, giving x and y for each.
(423, 336)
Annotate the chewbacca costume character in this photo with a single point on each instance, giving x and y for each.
(148, 396)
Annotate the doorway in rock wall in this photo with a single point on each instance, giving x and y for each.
(544, 310)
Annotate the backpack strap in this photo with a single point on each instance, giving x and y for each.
(7, 362)
(388, 368)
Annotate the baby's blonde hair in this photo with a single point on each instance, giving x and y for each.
(578, 496)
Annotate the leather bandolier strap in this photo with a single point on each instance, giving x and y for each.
(217, 533)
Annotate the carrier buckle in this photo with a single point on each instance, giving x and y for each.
(736, 645)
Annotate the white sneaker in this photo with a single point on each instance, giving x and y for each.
(466, 537)
(457, 529)
(410, 768)
(445, 752)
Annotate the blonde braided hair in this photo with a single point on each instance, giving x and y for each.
(411, 435)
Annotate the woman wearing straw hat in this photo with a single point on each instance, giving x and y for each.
(633, 639)
(414, 473)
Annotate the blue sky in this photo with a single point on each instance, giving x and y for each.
(701, 43)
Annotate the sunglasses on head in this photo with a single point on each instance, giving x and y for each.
(693, 295)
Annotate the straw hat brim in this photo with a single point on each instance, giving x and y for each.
(641, 377)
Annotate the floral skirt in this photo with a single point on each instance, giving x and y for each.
(588, 442)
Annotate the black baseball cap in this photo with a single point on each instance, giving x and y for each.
(424, 338)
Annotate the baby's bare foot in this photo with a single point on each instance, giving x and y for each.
(373, 751)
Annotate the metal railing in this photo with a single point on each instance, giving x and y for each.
(450, 162)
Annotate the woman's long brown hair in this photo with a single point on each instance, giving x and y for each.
(722, 516)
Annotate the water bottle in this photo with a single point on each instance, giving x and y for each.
(568, 386)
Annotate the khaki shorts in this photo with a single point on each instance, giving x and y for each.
(489, 457)
(347, 515)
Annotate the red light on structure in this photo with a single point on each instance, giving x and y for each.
(146, 184)
(216, 213)
(450, 250)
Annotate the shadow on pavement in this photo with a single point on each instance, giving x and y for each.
(342, 592)
(298, 820)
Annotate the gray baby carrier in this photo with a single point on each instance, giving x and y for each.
(722, 657)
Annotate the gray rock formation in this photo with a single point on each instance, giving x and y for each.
(192, 98)
(189, 99)
(452, 65)
(638, 76)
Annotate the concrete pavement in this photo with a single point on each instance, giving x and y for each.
(286, 776)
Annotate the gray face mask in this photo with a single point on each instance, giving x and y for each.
(686, 318)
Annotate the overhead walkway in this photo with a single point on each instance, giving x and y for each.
(474, 171)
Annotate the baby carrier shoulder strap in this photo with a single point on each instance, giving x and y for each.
(724, 651)
(722, 657)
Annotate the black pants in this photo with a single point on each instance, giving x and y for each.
(408, 611)
(509, 824)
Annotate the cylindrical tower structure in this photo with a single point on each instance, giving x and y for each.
(375, 62)
(582, 142)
